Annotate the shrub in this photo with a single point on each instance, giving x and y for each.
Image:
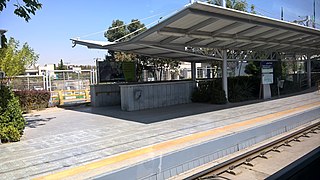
(209, 91)
(33, 99)
(9, 134)
(12, 122)
(241, 88)
(218, 96)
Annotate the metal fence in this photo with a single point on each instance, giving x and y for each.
(66, 86)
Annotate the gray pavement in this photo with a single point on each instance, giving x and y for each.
(57, 139)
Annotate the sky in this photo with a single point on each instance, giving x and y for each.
(50, 30)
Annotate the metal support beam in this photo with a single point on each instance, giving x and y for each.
(309, 70)
(224, 73)
(193, 71)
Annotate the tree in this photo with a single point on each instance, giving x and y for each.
(14, 61)
(12, 122)
(135, 27)
(23, 10)
(61, 66)
(119, 31)
(240, 5)
(252, 69)
(161, 64)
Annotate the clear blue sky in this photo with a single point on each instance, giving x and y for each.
(49, 31)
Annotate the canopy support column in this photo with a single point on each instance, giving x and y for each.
(309, 70)
(224, 73)
(193, 71)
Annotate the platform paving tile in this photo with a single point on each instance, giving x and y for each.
(108, 136)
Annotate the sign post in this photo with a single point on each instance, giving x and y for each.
(267, 78)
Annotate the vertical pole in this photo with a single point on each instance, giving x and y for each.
(44, 81)
(314, 13)
(28, 80)
(96, 76)
(193, 71)
(47, 79)
(224, 73)
(60, 97)
(91, 77)
(87, 95)
(309, 70)
(79, 87)
(223, 3)
(63, 81)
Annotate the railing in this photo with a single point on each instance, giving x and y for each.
(63, 97)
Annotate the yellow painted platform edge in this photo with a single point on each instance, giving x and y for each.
(167, 144)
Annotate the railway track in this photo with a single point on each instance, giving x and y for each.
(249, 158)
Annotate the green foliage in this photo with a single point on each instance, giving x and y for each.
(12, 122)
(209, 91)
(14, 61)
(161, 64)
(116, 31)
(252, 69)
(120, 31)
(3, 41)
(24, 9)
(32, 99)
(240, 5)
(240, 88)
(9, 134)
(218, 96)
(203, 91)
(61, 66)
(243, 88)
(135, 27)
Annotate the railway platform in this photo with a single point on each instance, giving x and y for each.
(107, 143)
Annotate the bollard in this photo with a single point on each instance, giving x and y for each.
(60, 98)
(87, 93)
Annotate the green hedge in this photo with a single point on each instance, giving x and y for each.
(209, 91)
(12, 122)
(32, 99)
(241, 88)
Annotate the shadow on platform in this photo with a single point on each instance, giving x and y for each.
(157, 114)
(167, 113)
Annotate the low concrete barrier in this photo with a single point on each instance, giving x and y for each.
(154, 95)
(105, 95)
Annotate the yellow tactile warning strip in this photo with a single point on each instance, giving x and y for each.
(69, 173)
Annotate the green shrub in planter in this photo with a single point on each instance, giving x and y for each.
(9, 134)
(218, 96)
(12, 122)
(199, 95)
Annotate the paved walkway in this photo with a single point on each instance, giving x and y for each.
(58, 139)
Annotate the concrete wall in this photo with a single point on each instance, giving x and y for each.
(105, 95)
(153, 95)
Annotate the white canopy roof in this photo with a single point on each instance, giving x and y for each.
(204, 25)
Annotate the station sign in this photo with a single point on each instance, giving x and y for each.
(267, 72)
